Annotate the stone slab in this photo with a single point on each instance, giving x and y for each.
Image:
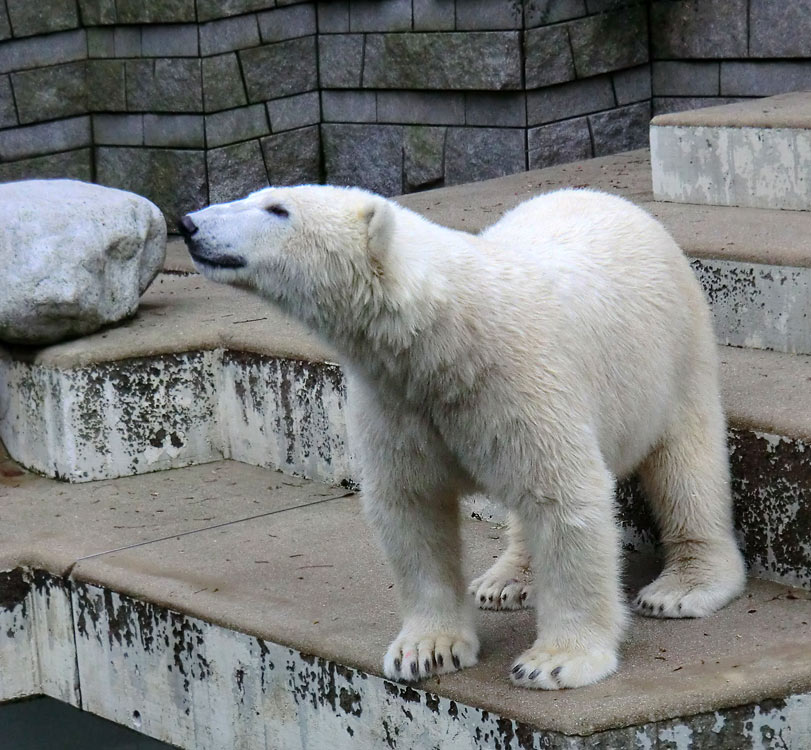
(337, 601)
(785, 111)
(732, 166)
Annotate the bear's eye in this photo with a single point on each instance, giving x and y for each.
(278, 210)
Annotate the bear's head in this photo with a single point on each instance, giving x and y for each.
(310, 249)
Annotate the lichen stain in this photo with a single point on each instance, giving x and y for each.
(14, 588)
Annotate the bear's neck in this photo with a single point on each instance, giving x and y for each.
(422, 329)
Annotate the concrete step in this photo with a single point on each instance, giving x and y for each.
(220, 606)
(209, 383)
(755, 153)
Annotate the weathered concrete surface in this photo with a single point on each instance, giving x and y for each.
(732, 166)
(336, 600)
(48, 524)
(756, 305)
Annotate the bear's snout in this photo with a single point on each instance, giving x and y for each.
(187, 226)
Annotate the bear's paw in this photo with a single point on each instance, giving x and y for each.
(502, 588)
(552, 669)
(417, 655)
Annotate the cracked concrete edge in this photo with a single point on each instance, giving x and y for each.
(154, 669)
(791, 110)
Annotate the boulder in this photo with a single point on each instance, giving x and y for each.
(73, 257)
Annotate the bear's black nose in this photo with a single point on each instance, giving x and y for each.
(187, 226)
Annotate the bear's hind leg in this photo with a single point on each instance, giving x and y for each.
(686, 480)
(507, 584)
(581, 615)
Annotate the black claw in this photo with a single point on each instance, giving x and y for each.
(556, 672)
(397, 663)
(533, 674)
(661, 609)
(523, 595)
(440, 660)
(519, 674)
(679, 606)
(516, 668)
(490, 598)
(413, 667)
(481, 598)
(427, 665)
(456, 662)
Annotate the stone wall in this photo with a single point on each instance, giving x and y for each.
(196, 101)
(706, 53)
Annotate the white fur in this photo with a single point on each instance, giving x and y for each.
(565, 347)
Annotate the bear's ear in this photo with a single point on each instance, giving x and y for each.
(379, 218)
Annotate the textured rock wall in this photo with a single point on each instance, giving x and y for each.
(707, 53)
(191, 101)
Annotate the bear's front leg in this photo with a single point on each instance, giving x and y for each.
(575, 551)
(411, 487)
(420, 538)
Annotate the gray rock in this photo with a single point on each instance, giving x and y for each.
(333, 16)
(174, 131)
(73, 257)
(609, 41)
(424, 157)
(293, 157)
(5, 26)
(548, 57)
(45, 138)
(169, 40)
(234, 125)
(559, 143)
(294, 112)
(174, 179)
(50, 93)
(280, 69)
(541, 12)
(380, 15)
(622, 129)
(780, 29)
(340, 60)
(8, 114)
(685, 78)
(100, 42)
(29, 18)
(632, 85)
(171, 84)
(569, 100)
(228, 34)
(74, 164)
(234, 171)
(97, 12)
(127, 41)
(155, 11)
(503, 109)
(696, 28)
(118, 130)
(106, 88)
(287, 23)
(762, 78)
(348, 106)
(208, 9)
(488, 15)
(473, 154)
(366, 155)
(421, 107)
(38, 51)
(222, 83)
(434, 15)
(489, 60)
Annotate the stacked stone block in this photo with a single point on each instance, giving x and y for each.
(436, 92)
(707, 53)
(182, 103)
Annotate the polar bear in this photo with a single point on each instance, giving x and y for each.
(566, 346)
